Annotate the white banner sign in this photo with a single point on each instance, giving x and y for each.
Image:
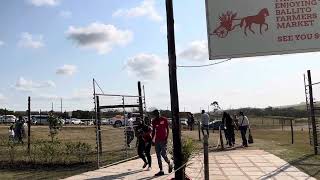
(244, 28)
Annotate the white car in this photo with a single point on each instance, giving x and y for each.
(8, 119)
(76, 121)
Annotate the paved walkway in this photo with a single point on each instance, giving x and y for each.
(236, 164)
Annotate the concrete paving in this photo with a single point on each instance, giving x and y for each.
(236, 164)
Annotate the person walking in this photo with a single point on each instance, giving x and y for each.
(19, 129)
(129, 129)
(144, 143)
(160, 133)
(190, 121)
(229, 128)
(243, 126)
(205, 118)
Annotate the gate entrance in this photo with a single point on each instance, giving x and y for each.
(115, 136)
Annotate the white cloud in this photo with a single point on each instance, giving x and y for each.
(65, 14)
(39, 3)
(195, 51)
(146, 8)
(27, 40)
(2, 43)
(23, 84)
(145, 66)
(67, 69)
(98, 36)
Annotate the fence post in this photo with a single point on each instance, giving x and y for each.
(140, 101)
(206, 157)
(99, 125)
(312, 114)
(292, 141)
(221, 138)
(282, 124)
(199, 127)
(29, 123)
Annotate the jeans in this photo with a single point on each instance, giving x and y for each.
(144, 151)
(230, 135)
(161, 150)
(205, 127)
(130, 137)
(243, 130)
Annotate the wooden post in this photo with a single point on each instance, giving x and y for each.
(140, 100)
(282, 124)
(292, 141)
(176, 124)
(29, 123)
(99, 125)
(206, 157)
(312, 114)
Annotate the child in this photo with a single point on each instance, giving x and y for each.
(11, 133)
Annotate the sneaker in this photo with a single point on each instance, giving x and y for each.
(145, 165)
(160, 173)
(170, 168)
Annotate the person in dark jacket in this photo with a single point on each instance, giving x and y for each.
(144, 143)
(190, 121)
(19, 130)
(228, 123)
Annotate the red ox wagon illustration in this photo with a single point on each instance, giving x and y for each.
(227, 23)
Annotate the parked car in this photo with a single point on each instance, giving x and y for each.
(67, 121)
(76, 121)
(40, 119)
(215, 124)
(8, 119)
(105, 121)
(184, 121)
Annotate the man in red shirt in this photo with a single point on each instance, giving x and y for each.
(160, 133)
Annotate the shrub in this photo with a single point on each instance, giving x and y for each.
(79, 150)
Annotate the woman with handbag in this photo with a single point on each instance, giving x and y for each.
(243, 127)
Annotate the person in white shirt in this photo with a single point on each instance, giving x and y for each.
(243, 126)
(129, 129)
(205, 118)
(11, 133)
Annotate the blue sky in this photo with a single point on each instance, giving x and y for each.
(51, 49)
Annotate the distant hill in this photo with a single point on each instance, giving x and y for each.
(300, 106)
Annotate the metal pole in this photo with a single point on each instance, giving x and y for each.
(125, 127)
(144, 99)
(312, 114)
(140, 100)
(176, 125)
(99, 126)
(292, 141)
(29, 123)
(206, 157)
(96, 122)
(307, 106)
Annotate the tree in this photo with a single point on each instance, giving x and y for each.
(55, 125)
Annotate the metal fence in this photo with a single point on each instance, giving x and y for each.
(313, 108)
